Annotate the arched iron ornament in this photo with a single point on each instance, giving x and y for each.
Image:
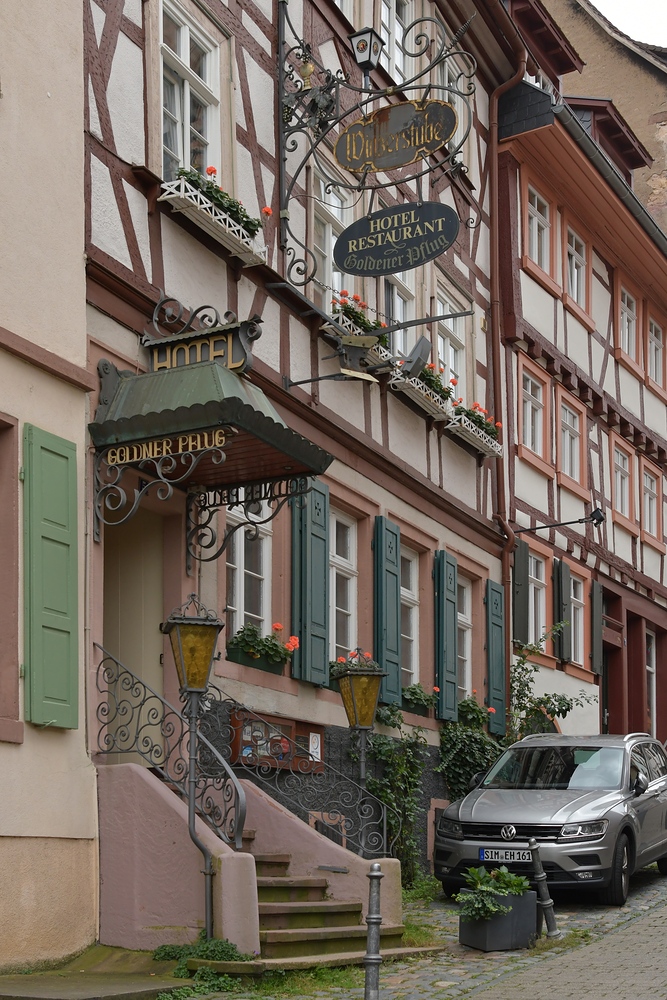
(310, 111)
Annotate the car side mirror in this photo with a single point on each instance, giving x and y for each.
(641, 784)
(476, 780)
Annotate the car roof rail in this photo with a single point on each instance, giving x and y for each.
(630, 736)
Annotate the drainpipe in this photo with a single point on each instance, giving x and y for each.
(499, 14)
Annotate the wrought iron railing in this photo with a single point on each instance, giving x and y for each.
(134, 719)
(315, 791)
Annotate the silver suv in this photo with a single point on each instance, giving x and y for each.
(597, 806)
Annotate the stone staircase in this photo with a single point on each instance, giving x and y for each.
(300, 927)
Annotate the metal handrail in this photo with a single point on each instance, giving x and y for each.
(315, 791)
(136, 719)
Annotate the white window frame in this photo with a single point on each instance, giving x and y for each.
(577, 604)
(576, 268)
(570, 458)
(628, 320)
(464, 637)
(238, 609)
(329, 214)
(543, 82)
(650, 497)
(537, 597)
(395, 15)
(622, 481)
(410, 608)
(656, 351)
(451, 76)
(176, 66)
(533, 413)
(347, 568)
(399, 303)
(651, 640)
(450, 339)
(347, 8)
(539, 230)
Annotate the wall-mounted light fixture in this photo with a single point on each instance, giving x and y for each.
(596, 517)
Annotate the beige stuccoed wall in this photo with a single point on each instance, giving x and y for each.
(48, 889)
(42, 290)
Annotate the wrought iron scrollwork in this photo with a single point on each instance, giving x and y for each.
(252, 507)
(316, 101)
(134, 719)
(312, 789)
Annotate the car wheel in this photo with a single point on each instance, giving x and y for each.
(449, 888)
(662, 865)
(616, 892)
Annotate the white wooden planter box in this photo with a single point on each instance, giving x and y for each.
(185, 198)
(424, 396)
(465, 428)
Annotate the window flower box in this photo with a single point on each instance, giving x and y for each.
(425, 397)
(260, 662)
(186, 198)
(463, 427)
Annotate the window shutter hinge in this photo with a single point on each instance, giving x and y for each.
(22, 670)
(22, 474)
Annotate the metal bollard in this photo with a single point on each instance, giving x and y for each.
(373, 958)
(544, 899)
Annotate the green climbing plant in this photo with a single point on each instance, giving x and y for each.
(403, 759)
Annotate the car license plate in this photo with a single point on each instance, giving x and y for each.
(503, 855)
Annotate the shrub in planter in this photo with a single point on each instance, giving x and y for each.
(498, 912)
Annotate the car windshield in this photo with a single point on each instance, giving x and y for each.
(557, 767)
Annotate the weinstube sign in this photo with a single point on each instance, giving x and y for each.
(396, 239)
(396, 136)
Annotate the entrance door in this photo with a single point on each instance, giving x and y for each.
(133, 601)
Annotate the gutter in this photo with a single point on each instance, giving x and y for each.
(592, 151)
(521, 56)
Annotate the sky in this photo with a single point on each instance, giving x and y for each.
(643, 20)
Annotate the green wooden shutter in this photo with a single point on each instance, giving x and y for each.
(51, 580)
(562, 610)
(387, 607)
(520, 593)
(495, 656)
(310, 586)
(446, 635)
(596, 627)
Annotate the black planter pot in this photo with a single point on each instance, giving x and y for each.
(505, 931)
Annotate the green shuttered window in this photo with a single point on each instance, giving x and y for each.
(520, 592)
(562, 610)
(445, 572)
(310, 586)
(495, 655)
(597, 623)
(51, 580)
(387, 616)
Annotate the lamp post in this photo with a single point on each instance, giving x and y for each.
(367, 47)
(193, 631)
(360, 690)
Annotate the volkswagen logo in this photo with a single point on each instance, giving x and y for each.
(508, 832)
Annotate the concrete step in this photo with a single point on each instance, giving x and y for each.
(281, 888)
(272, 864)
(262, 965)
(328, 913)
(298, 942)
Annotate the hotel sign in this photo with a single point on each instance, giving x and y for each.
(396, 239)
(396, 136)
(172, 447)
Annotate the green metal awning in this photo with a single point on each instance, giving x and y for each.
(183, 406)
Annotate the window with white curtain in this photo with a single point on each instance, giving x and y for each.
(539, 230)
(399, 308)
(533, 414)
(537, 598)
(570, 441)
(395, 15)
(248, 568)
(577, 619)
(409, 617)
(622, 482)
(576, 268)
(328, 224)
(656, 346)
(464, 636)
(628, 323)
(342, 584)
(450, 338)
(190, 95)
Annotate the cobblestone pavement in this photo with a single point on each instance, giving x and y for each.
(624, 957)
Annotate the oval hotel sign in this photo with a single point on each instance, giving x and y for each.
(396, 239)
(396, 136)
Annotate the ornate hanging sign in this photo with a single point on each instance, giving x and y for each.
(396, 239)
(396, 136)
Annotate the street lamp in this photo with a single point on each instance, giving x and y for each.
(193, 631)
(596, 517)
(359, 682)
(367, 47)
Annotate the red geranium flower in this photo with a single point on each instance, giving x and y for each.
(267, 210)
(211, 171)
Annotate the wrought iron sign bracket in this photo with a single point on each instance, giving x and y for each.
(315, 101)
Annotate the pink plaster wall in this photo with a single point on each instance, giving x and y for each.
(278, 830)
(151, 886)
